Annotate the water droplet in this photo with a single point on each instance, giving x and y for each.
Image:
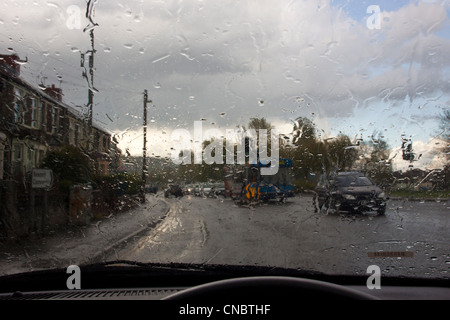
(51, 4)
(128, 45)
(107, 49)
(157, 85)
(261, 103)
(161, 58)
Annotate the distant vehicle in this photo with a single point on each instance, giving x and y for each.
(188, 189)
(247, 184)
(197, 191)
(204, 189)
(349, 191)
(219, 188)
(208, 190)
(151, 189)
(173, 190)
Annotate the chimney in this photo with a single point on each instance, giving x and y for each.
(54, 92)
(8, 62)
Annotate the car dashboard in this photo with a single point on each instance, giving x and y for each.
(214, 283)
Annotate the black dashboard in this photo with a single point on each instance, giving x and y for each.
(121, 280)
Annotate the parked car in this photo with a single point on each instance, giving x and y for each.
(349, 191)
(219, 188)
(151, 189)
(197, 189)
(188, 189)
(173, 190)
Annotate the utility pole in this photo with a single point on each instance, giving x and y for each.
(91, 91)
(90, 81)
(144, 149)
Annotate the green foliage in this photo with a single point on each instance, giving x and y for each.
(119, 183)
(69, 165)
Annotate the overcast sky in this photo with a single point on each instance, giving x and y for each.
(228, 61)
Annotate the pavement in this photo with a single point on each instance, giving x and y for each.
(82, 244)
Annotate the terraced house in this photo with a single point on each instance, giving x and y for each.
(33, 121)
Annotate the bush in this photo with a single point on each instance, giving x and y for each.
(69, 165)
(120, 183)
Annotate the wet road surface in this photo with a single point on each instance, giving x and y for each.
(294, 235)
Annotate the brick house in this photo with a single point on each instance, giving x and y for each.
(35, 120)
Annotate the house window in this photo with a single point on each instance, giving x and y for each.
(17, 152)
(49, 118)
(71, 133)
(54, 120)
(34, 113)
(77, 131)
(30, 163)
(18, 116)
(42, 116)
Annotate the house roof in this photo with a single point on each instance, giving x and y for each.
(37, 90)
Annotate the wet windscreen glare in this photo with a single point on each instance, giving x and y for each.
(222, 132)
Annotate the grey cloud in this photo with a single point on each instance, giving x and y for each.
(228, 57)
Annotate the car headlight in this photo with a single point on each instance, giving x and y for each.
(349, 197)
(381, 195)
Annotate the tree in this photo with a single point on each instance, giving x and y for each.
(378, 166)
(205, 171)
(261, 124)
(304, 129)
(341, 153)
(70, 165)
(444, 133)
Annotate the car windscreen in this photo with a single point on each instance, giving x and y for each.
(110, 111)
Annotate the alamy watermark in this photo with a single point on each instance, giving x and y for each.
(74, 280)
(252, 147)
(374, 280)
(73, 17)
(374, 21)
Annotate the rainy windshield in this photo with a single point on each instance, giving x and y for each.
(206, 132)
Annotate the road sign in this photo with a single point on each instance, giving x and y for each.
(42, 178)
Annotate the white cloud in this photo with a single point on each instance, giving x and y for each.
(430, 156)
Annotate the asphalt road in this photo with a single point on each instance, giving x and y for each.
(412, 239)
